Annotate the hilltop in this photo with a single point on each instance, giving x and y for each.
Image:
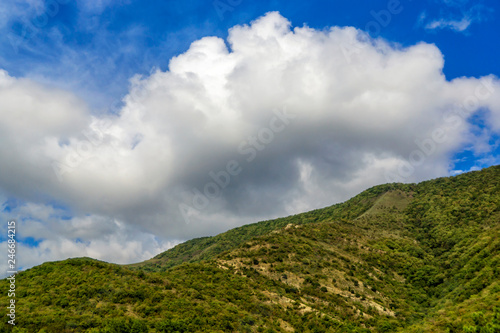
(395, 258)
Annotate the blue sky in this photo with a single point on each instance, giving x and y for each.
(168, 108)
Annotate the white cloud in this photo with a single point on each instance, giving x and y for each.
(457, 16)
(459, 26)
(360, 110)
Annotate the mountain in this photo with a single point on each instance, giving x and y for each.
(395, 258)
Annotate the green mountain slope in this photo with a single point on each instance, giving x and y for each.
(204, 248)
(396, 258)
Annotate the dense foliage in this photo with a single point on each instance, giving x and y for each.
(396, 258)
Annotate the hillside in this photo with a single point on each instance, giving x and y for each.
(208, 247)
(395, 258)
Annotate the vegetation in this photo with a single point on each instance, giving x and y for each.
(396, 258)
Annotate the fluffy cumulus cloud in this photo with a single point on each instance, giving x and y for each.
(273, 121)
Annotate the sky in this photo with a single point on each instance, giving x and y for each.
(128, 126)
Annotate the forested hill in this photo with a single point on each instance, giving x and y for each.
(396, 258)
